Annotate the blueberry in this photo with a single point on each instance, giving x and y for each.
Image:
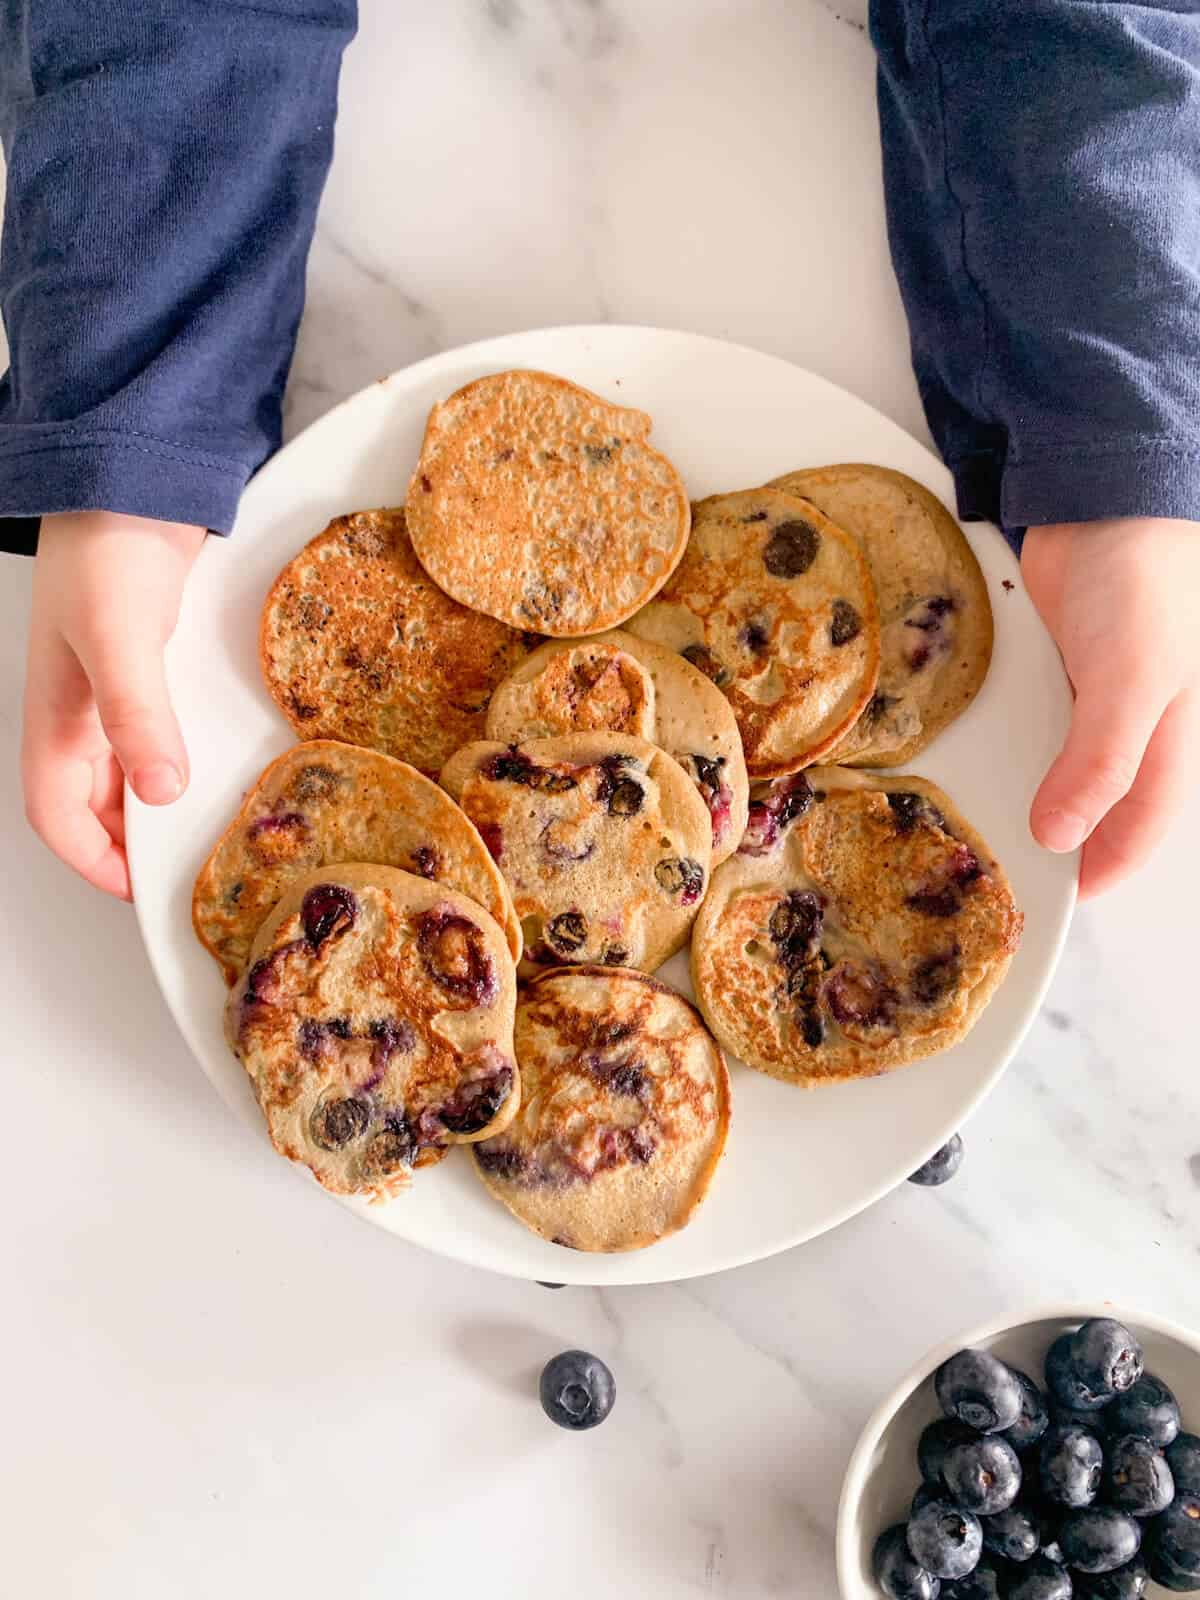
(1072, 1464)
(327, 909)
(925, 1493)
(1079, 1417)
(1137, 1478)
(1014, 1534)
(791, 549)
(975, 1388)
(1041, 1579)
(944, 1539)
(1149, 1408)
(1183, 1458)
(897, 1574)
(339, 1122)
(846, 624)
(934, 1442)
(1164, 1571)
(1065, 1384)
(1099, 1539)
(577, 1390)
(983, 1475)
(942, 1164)
(1105, 1356)
(1175, 1536)
(1123, 1583)
(1034, 1419)
(982, 1584)
(542, 1284)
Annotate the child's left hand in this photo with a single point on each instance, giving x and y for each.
(1122, 600)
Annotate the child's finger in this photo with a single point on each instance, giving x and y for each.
(1114, 717)
(58, 790)
(1135, 826)
(131, 696)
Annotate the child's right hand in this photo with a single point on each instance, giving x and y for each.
(106, 593)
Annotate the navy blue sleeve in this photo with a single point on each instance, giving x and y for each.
(1042, 176)
(165, 160)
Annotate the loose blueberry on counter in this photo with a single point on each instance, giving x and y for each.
(896, 1573)
(1013, 1533)
(982, 1584)
(542, 1284)
(1041, 1579)
(1099, 1539)
(1034, 1419)
(1137, 1478)
(1174, 1537)
(1064, 1382)
(983, 1475)
(1183, 1458)
(933, 1444)
(945, 1539)
(577, 1390)
(1072, 1464)
(1105, 1356)
(942, 1164)
(976, 1388)
(1124, 1583)
(1149, 1408)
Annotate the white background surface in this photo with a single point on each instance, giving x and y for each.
(216, 1383)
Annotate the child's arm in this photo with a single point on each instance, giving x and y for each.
(1043, 192)
(164, 168)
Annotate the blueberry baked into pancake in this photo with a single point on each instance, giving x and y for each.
(624, 1115)
(375, 1020)
(861, 925)
(357, 643)
(935, 616)
(604, 842)
(775, 604)
(544, 506)
(617, 682)
(325, 802)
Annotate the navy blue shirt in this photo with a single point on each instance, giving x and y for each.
(166, 158)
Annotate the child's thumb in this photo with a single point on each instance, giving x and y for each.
(131, 695)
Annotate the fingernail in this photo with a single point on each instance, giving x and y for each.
(158, 784)
(1062, 830)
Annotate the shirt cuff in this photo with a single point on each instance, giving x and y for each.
(137, 474)
(1135, 478)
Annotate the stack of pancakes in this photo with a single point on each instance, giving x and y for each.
(556, 722)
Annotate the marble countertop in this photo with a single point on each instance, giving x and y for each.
(220, 1383)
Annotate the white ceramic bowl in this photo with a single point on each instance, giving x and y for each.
(883, 1475)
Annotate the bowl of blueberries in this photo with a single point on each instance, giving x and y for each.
(1053, 1457)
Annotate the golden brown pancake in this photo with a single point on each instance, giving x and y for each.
(375, 1020)
(628, 685)
(775, 604)
(604, 842)
(624, 1116)
(537, 502)
(323, 802)
(935, 616)
(357, 644)
(862, 925)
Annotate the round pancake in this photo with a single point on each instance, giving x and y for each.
(624, 1114)
(629, 685)
(321, 803)
(861, 925)
(604, 841)
(357, 644)
(541, 504)
(935, 616)
(775, 604)
(376, 1022)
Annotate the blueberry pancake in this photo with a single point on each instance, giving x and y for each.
(376, 1022)
(775, 604)
(861, 925)
(935, 616)
(604, 841)
(628, 685)
(357, 644)
(544, 506)
(624, 1114)
(321, 803)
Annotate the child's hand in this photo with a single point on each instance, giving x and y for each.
(106, 593)
(1122, 600)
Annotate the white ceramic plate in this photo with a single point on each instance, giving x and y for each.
(728, 417)
(882, 1475)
